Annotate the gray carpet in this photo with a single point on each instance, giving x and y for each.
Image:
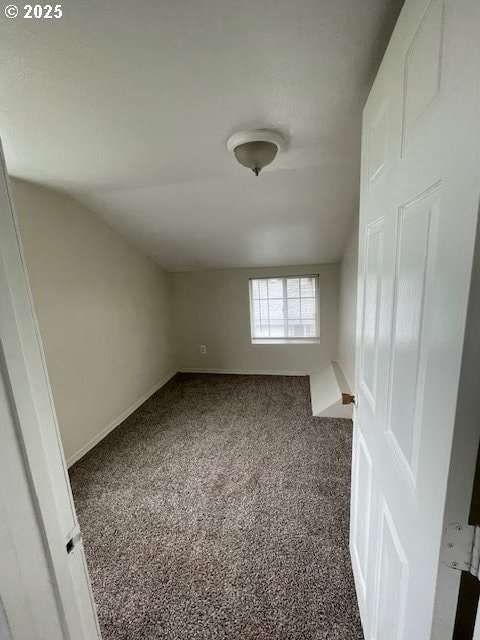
(219, 510)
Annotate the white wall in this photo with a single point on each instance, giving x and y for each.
(348, 308)
(212, 308)
(104, 312)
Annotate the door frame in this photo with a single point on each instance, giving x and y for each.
(30, 405)
(461, 502)
(469, 594)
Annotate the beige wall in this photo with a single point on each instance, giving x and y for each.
(348, 309)
(103, 310)
(212, 308)
(114, 325)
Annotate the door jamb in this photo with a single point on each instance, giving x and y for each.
(36, 426)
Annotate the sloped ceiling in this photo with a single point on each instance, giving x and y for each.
(127, 106)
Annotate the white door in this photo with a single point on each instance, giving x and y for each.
(419, 205)
(44, 588)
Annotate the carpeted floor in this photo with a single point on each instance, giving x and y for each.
(219, 510)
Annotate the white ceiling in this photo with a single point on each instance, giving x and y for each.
(127, 106)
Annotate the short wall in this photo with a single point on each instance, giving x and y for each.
(326, 388)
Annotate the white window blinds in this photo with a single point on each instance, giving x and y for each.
(284, 309)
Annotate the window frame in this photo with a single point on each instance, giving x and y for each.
(286, 339)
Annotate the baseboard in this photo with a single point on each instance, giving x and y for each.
(96, 439)
(246, 372)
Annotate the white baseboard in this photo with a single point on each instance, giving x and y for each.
(96, 439)
(246, 372)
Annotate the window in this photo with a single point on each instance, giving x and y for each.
(284, 309)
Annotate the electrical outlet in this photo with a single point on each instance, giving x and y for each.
(203, 348)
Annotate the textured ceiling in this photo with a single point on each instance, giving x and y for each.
(127, 106)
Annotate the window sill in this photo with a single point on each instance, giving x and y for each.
(286, 341)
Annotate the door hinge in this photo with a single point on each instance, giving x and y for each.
(73, 541)
(462, 548)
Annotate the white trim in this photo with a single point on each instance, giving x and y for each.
(476, 632)
(117, 421)
(55, 594)
(246, 372)
(285, 339)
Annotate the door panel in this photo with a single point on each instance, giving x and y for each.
(377, 146)
(371, 308)
(418, 215)
(423, 69)
(391, 581)
(416, 233)
(361, 505)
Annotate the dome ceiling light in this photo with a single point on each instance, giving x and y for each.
(255, 149)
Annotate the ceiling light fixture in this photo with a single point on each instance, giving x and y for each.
(255, 149)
